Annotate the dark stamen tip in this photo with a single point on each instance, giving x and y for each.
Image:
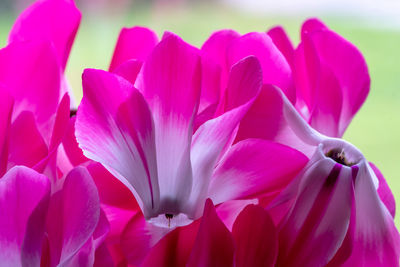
(72, 112)
(169, 216)
(339, 156)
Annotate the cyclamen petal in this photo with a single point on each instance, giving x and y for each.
(384, 191)
(333, 52)
(276, 69)
(129, 70)
(214, 137)
(26, 150)
(317, 224)
(282, 41)
(119, 138)
(170, 81)
(73, 217)
(255, 238)
(31, 73)
(213, 236)
(215, 68)
(376, 239)
(6, 107)
(24, 197)
(133, 43)
(253, 167)
(56, 21)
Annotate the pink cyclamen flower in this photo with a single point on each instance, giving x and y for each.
(145, 138)
(339, 200)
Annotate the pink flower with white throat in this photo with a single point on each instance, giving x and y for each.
(338, 210)
(145, 137)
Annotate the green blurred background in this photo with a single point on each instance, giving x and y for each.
(375, 129)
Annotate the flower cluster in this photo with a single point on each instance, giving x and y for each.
(225, 155)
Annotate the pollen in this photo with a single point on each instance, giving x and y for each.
(339, 156)
(169, 217)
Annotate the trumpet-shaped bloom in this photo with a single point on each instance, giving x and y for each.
(145, 138)
(337, 200)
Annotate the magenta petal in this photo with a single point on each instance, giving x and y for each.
(111, 190)
(84, 257)
(216, 45)
(384, 192)
(31, 72)
(56, 21)
(256, 238)
(133, 43)
(60, 122)
(213, 137)
(312, 25)
(26, 149)
(214, 245)
(273, 117)
(103, 257)
(264, 117)
(81, 211)
(282, 41)
(174, 248)
(170, 81)
(335, 52)
(325, 116)
(136, 125)
(376, 241)
(314, 229)
(6, 107)
(244, 84)
(139, 237)
(115, 127)
(214, 56)
(24, 196)
(129, 69)
(70, 145)
(255, 166)
(210, 83)
(276, 70)
(229, 210)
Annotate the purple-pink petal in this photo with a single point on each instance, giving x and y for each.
(55, 21)
(24, 196)
(133, 43)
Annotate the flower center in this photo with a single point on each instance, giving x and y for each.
(339, 156)
(340, 151)
(170, 220)
(72, 112)
(169, 217)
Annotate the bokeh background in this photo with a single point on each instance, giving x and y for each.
(372, 25)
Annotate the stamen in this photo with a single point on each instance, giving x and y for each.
(72, 112)
(169, 217)
(339, 156)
